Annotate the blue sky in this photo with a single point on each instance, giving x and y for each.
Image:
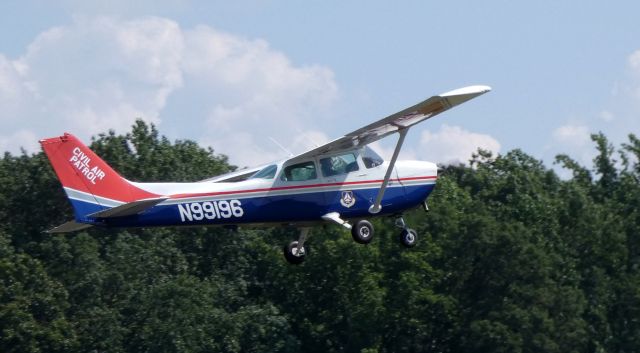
(233, 74)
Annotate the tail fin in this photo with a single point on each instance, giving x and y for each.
(90, 183)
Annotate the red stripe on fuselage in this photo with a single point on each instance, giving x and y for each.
(293, 187)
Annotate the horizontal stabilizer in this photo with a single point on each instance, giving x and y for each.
(128, 209)
(71, 226)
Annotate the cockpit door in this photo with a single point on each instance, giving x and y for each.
(346, 182)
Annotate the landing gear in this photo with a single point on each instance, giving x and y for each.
(362, 232)
(295, 252)
(408, 237)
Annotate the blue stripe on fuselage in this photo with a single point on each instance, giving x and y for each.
(83, 208)
(308, 207)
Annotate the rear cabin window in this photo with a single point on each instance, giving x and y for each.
(300, 172)
(341, 164)
(266, 172)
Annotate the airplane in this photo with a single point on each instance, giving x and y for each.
(343, 182)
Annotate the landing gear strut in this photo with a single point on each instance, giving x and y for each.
(295, 252)
(408, 237)
(362, 231)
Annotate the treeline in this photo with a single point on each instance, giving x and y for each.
(511, 259)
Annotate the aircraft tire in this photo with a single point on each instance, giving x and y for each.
(408, 237)
(291, 255)
(362, 232)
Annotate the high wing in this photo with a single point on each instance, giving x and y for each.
(398, 121)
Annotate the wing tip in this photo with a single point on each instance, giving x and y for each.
(71, 226)
(469, 90)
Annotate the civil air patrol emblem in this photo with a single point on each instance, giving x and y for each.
(347, 200)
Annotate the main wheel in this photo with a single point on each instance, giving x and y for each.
(408, 237)
(292, 254)
(362, 232)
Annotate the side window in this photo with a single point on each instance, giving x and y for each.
(341, 164)
(300, 172)
(370, 158)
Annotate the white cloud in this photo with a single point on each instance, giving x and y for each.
(634, 64)
(452, 144)
(13, 94)
(246, 150)
(93, 75)
(606, 116)
(9, 79)
(101, 73)
(17, 140)
(575, 141)
(634, 61)
(254, 89)
(576, 135)
(385, 149)
(307, 140)
(250, 149)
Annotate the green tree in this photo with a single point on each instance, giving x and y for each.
(511, 258)
(32, 306)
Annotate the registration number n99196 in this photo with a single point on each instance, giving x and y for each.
(197, 211)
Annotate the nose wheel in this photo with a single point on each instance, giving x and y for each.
(408, 237)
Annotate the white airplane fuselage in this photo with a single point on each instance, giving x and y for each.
(277, 198)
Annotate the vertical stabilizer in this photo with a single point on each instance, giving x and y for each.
(89, 182)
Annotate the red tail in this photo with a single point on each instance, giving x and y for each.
(79, 169)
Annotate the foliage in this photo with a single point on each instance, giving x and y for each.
(511, 259)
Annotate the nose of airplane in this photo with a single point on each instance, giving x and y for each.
(416, 169)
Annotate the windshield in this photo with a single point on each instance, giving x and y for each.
(266, 172)
(370, 158)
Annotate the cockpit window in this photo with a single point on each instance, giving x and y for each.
(266, 172)
(300, 172)
(370, 158)
(341, 164)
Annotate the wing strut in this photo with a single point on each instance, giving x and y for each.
(376, 207)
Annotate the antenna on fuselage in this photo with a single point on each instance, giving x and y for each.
(281, 147)
(308, 137)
